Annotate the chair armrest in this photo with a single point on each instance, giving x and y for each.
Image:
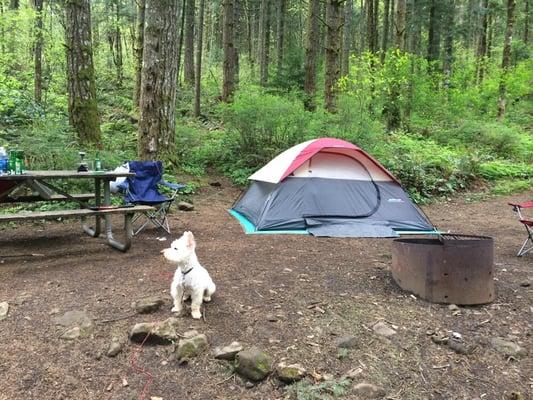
(527, 204)
(174, 186)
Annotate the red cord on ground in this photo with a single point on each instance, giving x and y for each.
(136, 368)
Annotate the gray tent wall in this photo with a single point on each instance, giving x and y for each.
(286, 205)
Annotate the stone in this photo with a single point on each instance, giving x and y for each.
(158, 332)
(191, 347)
(507, 347)
(353, 373)
(459, 347)
(453, 307)
(346, 342)
(290, 373)
(190, 334)
(71, 333)
(228, 352)
(148, 305)
(253, 364)
(368, 391)
(184, 206)
(381, 328)
(115, 347)
(4, 309)
(215, 184)
(75, 319)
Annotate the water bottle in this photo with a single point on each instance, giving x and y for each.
(3, 161)
(97, 162)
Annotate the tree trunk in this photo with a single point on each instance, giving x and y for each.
(311, 52)
(14, 4)
(199, 47)
(38, 52)
(399, 26)
(82, 105)
(282, 5)
(526, 23)
(370, 26)
(482, 44)
(489, 37)
(392, 109)
(416, 27)
(434, 31)
(159, 75)
(332, 69)
(250, 36)
(181, 34)
(264, 41)
(506, 57)
(139, 40)
(188, 62)
(228, 84)
(117, 53)
(236, 36)
(347, 38)
(449, 23)
(384, 39)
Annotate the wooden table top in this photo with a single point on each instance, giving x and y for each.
(65, 175)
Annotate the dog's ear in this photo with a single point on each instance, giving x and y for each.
(191, 243)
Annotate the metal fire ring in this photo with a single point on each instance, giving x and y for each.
(453, 268)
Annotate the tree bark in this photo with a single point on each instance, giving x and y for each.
(181, 34)
(449, 23)
(416, 27)
(38, 52)
(159, 75)
(482, 43)
(264, 41)
(117, 46)
(199, 47)
(228, 84)
(311, 52)
(14, 4)
(526, 23)
(370, 27)
(282, 5)
(138, 49)
(399, 26)
(392, 109)
(332, 70)
(82, 105)
(433, 53)
(506, 57)
(236, 36)
(385, 37)
(347, 38)
(188, 62)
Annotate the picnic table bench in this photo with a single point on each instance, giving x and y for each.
(39, 182)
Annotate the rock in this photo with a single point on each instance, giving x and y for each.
(290, 373)
(525, 284)
(368, 391)
(253, 364)
(346, 342)
(353, 373)
(158, 332)
(148, 304)
(459, 347)
(190, 334)
(75, 319)
(4, 309)
(184, 206)
(228, 352)
(215, 184)
(72, 333)
(115, 347)
(453, 307)
(508, 348)
(516, 396)
(381, 328)
(249, 385)
(191, 347)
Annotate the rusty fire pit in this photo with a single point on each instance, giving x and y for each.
(454, 269)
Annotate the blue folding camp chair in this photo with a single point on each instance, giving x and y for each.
(142, 189)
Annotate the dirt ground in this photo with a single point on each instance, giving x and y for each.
(290, 295)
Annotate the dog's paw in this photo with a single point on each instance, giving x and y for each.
(196, 314)
(207, 299)
(176, 310)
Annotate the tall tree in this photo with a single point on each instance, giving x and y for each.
(332, 70)
(199, 48)
(399, 25)
(311, 52)
(14, 4)
(371, 28)
(482, 43)
(138, 48)
(188, 61)
(115, 44)
(264, 41)
(38, 51)
(158, 81)
(449, 22)
(181, 34)
(228, 84)
(82, 105)
(280, 42)
(385, 37)
(506, 57)
(526, 22)
(433, 53)
(347, 37)
(392, 109)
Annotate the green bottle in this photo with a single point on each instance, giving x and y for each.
(97, 162)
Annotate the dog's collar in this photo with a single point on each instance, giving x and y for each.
(185, 273)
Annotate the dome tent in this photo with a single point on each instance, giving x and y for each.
(328, 187)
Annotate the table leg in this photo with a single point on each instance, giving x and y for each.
(97, 200)
(128, 231)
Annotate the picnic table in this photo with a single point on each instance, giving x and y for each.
(44, 189)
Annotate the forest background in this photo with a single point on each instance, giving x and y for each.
(439, 91)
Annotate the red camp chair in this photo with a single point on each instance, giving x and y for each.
(528, 223)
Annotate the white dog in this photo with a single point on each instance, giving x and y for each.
(190, 277)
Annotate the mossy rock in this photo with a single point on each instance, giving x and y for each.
(253, 364)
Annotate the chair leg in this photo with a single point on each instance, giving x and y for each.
(523, 250)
